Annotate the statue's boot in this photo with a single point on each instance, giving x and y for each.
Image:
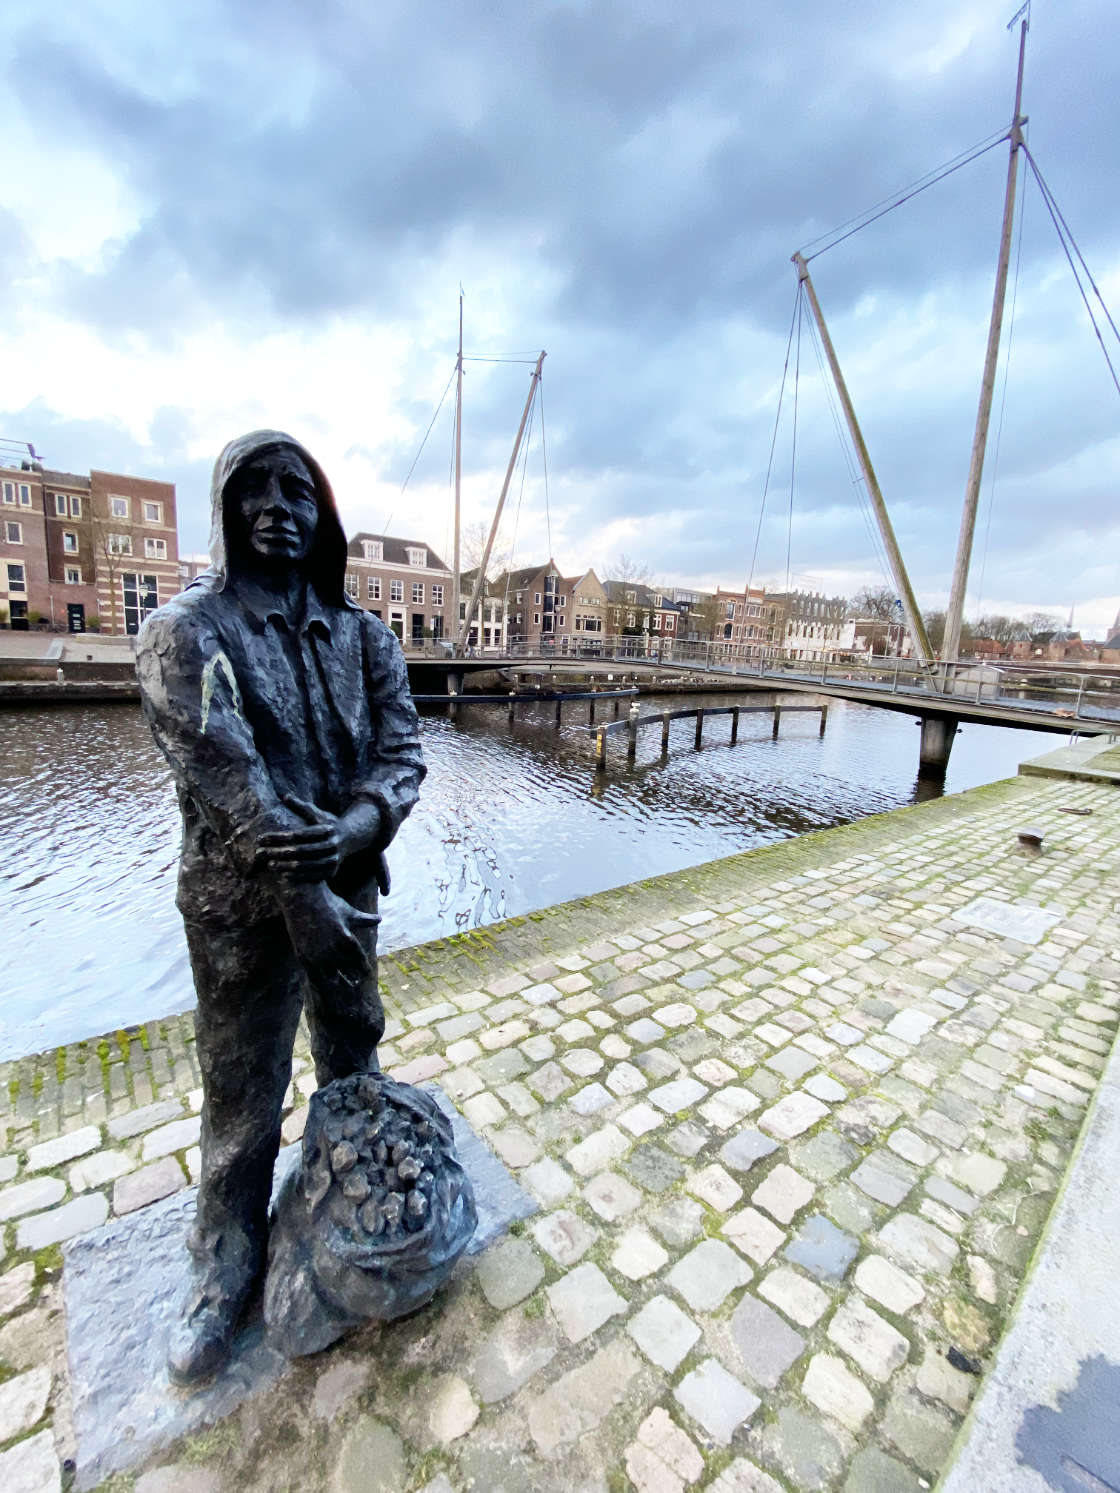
(201, 1340)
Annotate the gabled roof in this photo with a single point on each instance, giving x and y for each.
(395, 551)
(517, 580)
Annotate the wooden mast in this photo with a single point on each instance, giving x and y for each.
(480, 582)
(955, 611)
(874, 492)
(456, 583)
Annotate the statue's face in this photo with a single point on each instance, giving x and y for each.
(272, 502)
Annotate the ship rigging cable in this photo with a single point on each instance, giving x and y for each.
(774, 438)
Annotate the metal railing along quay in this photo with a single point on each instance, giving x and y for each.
(664, 718)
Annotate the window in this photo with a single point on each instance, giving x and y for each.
(155, 549)
(437, 627)
(61, 507)
(14, 533)
(69, 542)
(140, 599)
(351, 583)
(437, 596)
(418, 627)
(16, 578)
(9, 492)
(153, 513)
(417, 592)
(537, 617)
(24, 495)
(729, 609)
(75, 505)
(371, 549)
(73, 576)
(118, 507)
(670, 624)
(119, 544)
(373, 588)
(417, 557)
(518, 598)
(537, 598)
(396, 590)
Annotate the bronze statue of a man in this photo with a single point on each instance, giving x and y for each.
(285, 713)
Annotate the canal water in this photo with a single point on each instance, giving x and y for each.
(511, 818)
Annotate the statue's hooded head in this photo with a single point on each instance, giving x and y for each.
(325, 562)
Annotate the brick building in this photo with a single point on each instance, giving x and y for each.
(85, 551)
(402, 581)
(809, 625)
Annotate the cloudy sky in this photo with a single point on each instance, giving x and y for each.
(234, 214)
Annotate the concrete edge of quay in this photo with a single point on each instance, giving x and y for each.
(1048, 1413)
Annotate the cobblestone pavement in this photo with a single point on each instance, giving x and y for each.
(794, 1129)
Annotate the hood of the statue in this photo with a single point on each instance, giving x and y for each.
(326, 564)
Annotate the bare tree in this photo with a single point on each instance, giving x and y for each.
(625, 568)
(472, 547)
(876, 602)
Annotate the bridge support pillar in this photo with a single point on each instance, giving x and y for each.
(938, 734)
(454, 683)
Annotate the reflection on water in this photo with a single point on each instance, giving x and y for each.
(510, 819)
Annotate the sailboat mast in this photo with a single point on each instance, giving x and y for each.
(480, 581)
(955, 612)
(874, 492)
(456, 583)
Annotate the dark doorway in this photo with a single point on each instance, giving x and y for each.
(19, 616)
(75, 616)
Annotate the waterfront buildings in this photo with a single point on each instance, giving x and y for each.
(402, 581)
(808, 624)
(85, 551)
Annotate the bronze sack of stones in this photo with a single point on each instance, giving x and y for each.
(374, 1219)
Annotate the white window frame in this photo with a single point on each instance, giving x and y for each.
(155, 549)
(437, 594)
(69, 542)
(396, 592)
(372, 549)
(373, 588)
(352, 584)
(118, 506)
(417, 593)
(25, 495)
(9, 492)
(75, 505)
(417, 557)
(73, 575)
(21, 584)
(147, 503)
(118, 544)
(9, 525)
(61, 505)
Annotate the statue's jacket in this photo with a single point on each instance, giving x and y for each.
(252, 714)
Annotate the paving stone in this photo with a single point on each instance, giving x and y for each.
(742, 1151)
(792, 1115)
(823, 1155)
(23, 1402)
(31, 1466)
(910, 1026)
(678, 1221)
(653, 1168)
(583, 1300)
(26, 1197)
(370, 1459)
(793, 1294)
(742, 1476)
(783, 1193)
(77, 1217)
(624, 1079)
(582, 1061)
(148, 1185)
(17, 1286)
(870, 1342)
(636, 1255)
(836, 1391)
(174, 1137)
(515, 1146)
(754, 1234)
(688, 1138)
(716, 1400)
(792, 1063)
(887, 1179)
(767, 1344)
(547, 1180)
(663, 1332)
(548, 1082)
(919, 1244)
(911, 1147)
(597, 1151)
(681, 1093)
(178, 1477)
(869, 1058)
(611, 1196)
(730, 1105)
(976, 1173)
(63, 1148)
(644, 1031)
(708, 1274)
(822, 1249)
(564, 1236)
(577, 1402)
(921, 1432)
(952, 1196)
(712, 1185)
(641, 1119)
(662, 1459)
(484, 1110)
(802, 1449)
(136, 1121)
(872, 1471)
(591, 1099)
(821, 1086)
(508, 1272)
(888, 1285)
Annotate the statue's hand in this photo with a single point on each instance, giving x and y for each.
(316, 851)
(324, 929)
